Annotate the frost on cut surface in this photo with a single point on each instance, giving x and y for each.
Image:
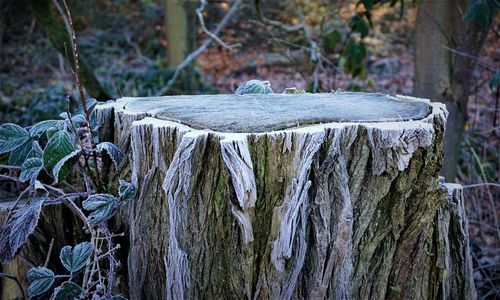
(329, 210)
(262, 113)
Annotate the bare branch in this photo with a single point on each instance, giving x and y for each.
(199, 11)
(274, 23)
(193, 55)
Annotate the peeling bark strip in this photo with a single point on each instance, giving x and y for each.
(178, 189)
(349, 210)
(235, 153)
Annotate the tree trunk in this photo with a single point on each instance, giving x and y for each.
(443, 72)
(181, 28)
(289, 196)
(58, 36)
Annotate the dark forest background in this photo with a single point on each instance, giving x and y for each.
(445, 50)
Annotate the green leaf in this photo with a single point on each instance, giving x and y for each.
(60, 125)
(40, 279)
(354, 54)
(126, 191)
(11, 137)
(64, 166)
(36, 151)
(113, 151)
(67, 291)
(367, 3)
(30, 169)
(74, 260)
(58, 146)
(331, 39)
(18, 155)
(40, 128)
(102, 207)
(482, 12)
(358, 24)
(24, 223)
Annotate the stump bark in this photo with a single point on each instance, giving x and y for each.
(289, 196)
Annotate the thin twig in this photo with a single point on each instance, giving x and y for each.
(48, 253)
(481, 185)
(72, 34)
(199, 11)
(10, 167)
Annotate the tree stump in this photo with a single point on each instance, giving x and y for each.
(289, 196)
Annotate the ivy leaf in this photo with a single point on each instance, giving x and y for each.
(30, 169)
(113, 151)
(64, 166)
(495, 81)
(40, 279)
(102, 207)
(358, 24)
(482, 11)
(24, 223)
(40, 128)
(67, 291)
(74, 260)
(11, 137)
(18, 155)
(126, 191)
(354, 54)
(58, 146)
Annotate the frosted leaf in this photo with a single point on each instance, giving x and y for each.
(11, 137)
(113, 151)
(58, 146)
(30, 169)
(24, 223)
(40, 279)
(102, 207)
(75, 259)
(63, 167)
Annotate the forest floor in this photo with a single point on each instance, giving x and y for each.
(126, 45)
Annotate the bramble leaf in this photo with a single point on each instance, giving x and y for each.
(12, 136)
(30, 169)
(18, 155)
(58, 146)
(36, 151)
(74, 260)
(67, 291)
(102, 205)
(126, 191)
(40, 128)
(24, 223)
(113, 151)
(40, 279)
(63, 167)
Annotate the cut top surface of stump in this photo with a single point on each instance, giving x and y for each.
(270, 112)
